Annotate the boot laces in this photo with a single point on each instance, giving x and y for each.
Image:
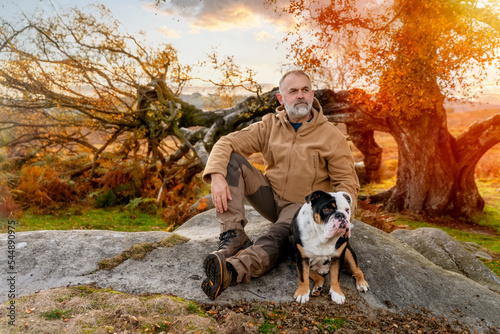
(225, 238)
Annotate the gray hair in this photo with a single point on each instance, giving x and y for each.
(296, 72)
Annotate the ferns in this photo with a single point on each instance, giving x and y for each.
(42, 188)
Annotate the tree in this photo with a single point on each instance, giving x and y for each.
(411, 55)
(76, 82)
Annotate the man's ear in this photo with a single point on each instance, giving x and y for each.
(280, 98)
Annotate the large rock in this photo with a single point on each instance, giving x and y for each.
(399, 277)
(48, 259)
(446, 252)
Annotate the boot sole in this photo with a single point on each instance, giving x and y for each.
(213, 265)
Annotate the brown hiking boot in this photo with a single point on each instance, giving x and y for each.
(232, 242)
(220, 275)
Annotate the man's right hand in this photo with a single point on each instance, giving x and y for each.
(220, 192)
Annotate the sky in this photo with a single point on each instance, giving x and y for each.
(243, 29)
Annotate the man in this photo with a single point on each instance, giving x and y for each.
(302, 151)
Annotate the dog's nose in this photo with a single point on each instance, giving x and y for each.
(339, 215)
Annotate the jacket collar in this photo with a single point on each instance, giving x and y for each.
(317, 119)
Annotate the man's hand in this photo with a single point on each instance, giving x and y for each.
(220, 192)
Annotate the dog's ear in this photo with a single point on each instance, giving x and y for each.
(347, 196)
(314, 196)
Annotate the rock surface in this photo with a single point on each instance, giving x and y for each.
(444, 251)
(399, 276)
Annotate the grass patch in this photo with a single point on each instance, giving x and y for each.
(493, 265)
(489, 218)
(489, 188)
(73, 218)
(194, 308)
(140, 250)
(330, 325)
(88, 309)
(272, 321)
(158, 328)
(490, 242)
(56, 314)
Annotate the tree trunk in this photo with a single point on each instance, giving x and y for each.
(430, 178)
(435, 171)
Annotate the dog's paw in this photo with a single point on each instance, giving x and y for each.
(316, 291)
(336, 297)
(362, 286)
(302, 298)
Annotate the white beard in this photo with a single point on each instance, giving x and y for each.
(300, 111)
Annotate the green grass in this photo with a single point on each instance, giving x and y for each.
(493, 265)
(193, 308)
(330, 325)
(56, 314)
(271, 320)
(490, 242)
(489, 188)
(490, 217)
(89, 219)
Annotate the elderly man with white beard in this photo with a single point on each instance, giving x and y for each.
(302, 152)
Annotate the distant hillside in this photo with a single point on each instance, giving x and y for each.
(486, 103)
(202, 98)
(197, 99)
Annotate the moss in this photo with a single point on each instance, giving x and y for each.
(140, 250)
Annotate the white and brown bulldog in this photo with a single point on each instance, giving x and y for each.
(319, 235)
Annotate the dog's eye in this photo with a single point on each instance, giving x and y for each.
(347, 210)
(327, 209)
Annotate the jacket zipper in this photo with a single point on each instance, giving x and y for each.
(315, 164)
(283, 193)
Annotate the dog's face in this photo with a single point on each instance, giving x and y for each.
(332, 211)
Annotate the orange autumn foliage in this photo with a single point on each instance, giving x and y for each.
(42, 188)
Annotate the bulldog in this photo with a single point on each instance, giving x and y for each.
(319, 234)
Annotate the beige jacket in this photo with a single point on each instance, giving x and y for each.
(316, 157)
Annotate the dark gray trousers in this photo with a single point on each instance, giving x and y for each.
(246, 181)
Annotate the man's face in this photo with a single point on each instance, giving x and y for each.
(297, 96)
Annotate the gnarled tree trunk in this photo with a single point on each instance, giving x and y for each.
(435, 172)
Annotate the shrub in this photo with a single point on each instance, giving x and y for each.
(146, 205)
(372, 214)
(104, 198)
(42, 188)
(8, 208)
(177, 199)
(121, 183)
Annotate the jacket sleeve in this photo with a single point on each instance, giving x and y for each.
(342, 173)
(245, 142)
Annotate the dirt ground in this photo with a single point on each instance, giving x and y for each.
(321, 315)
(87, 309)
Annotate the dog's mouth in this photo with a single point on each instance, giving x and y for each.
(337, 226)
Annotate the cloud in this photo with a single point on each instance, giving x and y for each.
(151, 7)
(170, 33)
(220, 15)
(263, 36)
